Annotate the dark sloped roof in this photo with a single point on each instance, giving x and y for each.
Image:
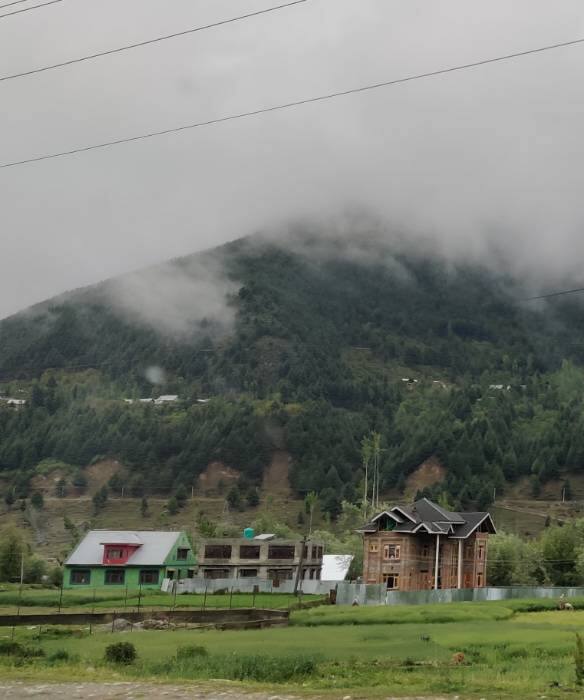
(432, 512)
(473, 520)
(429, 517)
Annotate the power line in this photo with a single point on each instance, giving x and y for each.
(27, 9)
(16, 2)
(294, 103)
(147, 42)
(555, 294)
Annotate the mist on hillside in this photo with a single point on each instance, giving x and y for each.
(483, 164)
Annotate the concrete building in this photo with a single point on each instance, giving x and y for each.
(122, 558)
(262, 557)
(424, 546)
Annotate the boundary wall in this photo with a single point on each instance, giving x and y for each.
(246, 585)
(377, 594)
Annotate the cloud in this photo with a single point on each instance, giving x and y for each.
(484, 164)
(175, 297)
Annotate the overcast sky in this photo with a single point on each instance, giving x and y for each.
(492, 156)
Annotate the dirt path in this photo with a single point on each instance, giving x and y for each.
(20, 690)
(125, 691)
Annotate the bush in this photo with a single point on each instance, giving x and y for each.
(59, 655)
(121, 653)
(192, 651)
(10, 648)
(239, 667)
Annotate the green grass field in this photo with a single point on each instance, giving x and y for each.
(37, 600)
(509, 651)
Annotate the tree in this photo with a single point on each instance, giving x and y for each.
(61, 488)
(144, 511)
(35, 570)
(13, 552)
(172, 506)
(37, 501)
(9, 498)
(253, 497)
(100, 499)
(234, 497)
(181, 496)
(80, 481)
(310, 503)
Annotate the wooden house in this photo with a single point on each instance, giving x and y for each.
(424, 546)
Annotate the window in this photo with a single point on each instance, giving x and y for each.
(481, 551)
(425, 550)
(314, 552)
(373, 547)
(218, 551)
(114, 553)
(391, 580)
(80, 577)
(149, 576)
(278, 575)
(182, 553)
(320, 552)
(281, 551)
(115, 576)
(248, 573)
(391, 551)
(216, 573)
(480, 579)
(249, 551)
(190, 573)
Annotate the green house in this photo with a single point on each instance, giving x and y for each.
(126, 558)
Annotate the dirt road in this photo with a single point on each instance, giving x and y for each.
(20, 690)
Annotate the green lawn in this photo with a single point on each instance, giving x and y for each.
(36, 600)
(364, 652)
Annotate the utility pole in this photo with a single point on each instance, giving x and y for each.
(300, 563)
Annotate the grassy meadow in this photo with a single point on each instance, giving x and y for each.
(41, 600)
(518, 649)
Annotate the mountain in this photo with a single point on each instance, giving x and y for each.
(302, 346)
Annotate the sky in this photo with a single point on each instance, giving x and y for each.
(487, 162)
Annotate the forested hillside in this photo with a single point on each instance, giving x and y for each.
(309, 355)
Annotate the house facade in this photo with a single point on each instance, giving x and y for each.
(133, 559)
(424, 546)
(263, 557)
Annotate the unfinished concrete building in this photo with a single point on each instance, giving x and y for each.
(263, 557)
(424, 546)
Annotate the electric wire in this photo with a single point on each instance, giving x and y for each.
(28, 9)
(15, 2)
(555, 294)
(294, 103)
(148, 42)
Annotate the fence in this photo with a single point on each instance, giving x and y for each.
(366, 594)
(246, 585)
(249, 618)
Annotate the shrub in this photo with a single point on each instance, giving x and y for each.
(192, 651)
(579, 659)
(120, 653)
(10, 648)
(59, 655)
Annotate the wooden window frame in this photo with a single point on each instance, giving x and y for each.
(387, 552)
(110, 572)
(80, 571)
(149, 573)
(374, 547)
(395, 578)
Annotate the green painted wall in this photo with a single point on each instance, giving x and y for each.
(171, 564)
(97, 577)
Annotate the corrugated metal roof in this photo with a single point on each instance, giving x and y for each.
(155, 547)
